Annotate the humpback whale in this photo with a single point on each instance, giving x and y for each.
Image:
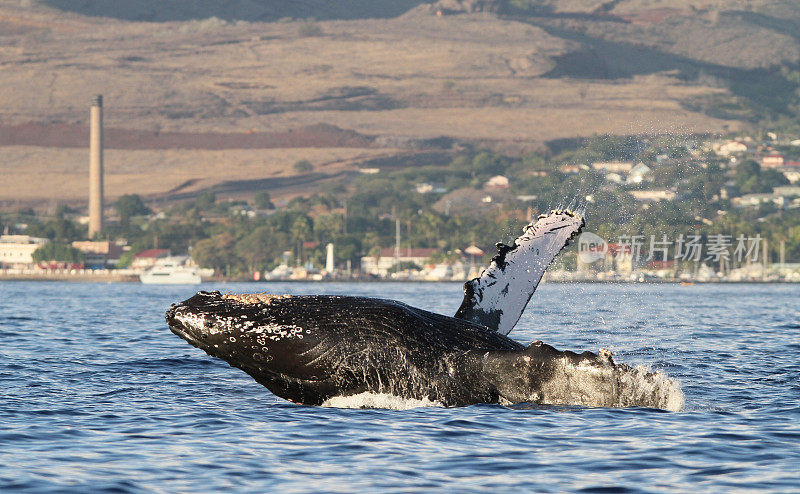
(316, 349)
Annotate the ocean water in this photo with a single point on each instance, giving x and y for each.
(98, 395)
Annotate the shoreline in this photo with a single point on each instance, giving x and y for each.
(51, 277)
(110, 277)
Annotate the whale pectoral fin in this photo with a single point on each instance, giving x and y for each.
(499, 295)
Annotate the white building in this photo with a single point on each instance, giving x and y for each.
(613, 166)
(787, 190)
(382, 265)
(792, 173)
(728, 148)
(653, 195)
(638, 174)
(99, 254)
(497, 182)
(772, 161)
(16, 251)
(758, 199)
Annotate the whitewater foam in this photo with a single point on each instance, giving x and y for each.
(592, 385)
(378, 400)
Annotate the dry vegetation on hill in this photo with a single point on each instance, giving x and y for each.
(563, 69)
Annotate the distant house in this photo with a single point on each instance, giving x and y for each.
(653, 195)
(773, 160)
(638, 174)
(16, 251)
(753, 200)
(663, 159)
(728, 148)
(568, 169)
(728, 190)
(426, 188)
(497, 182)
(99, 254)
(387, 259)
(619, 258)
(790, 171)
(613, 166)
(787, 190)
(147, 258)
(661, 264)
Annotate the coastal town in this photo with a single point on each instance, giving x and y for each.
(743, 188)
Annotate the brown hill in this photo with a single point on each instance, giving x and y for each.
(219, 75)
(63, 135)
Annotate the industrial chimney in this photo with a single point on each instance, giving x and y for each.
(96, 167)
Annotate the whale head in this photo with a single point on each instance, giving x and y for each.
(252, 332)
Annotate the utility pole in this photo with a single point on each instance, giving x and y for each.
(344, 220)
(408, 234)
(396, 239)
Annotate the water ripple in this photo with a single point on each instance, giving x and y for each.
(102, 397)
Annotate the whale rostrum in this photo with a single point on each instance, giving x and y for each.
(311, 349)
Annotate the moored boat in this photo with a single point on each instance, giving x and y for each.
(171, 271)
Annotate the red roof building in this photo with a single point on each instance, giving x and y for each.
(151, 254)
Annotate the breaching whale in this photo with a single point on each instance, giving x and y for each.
(316, 349)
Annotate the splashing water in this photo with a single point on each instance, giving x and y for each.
(378, 400)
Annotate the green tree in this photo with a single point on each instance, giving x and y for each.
(216, 252)
(327, 226)
(205, 200)
(301, 229)
(303, 166)
(309, 30)
(60, 252)
(348, 248)
(59, 229)
(262, 200)
(261, 247)
(751, 179)
(127, 206)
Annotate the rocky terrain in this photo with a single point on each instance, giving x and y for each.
(195, 92)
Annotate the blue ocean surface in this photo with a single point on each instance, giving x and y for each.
(98, 395)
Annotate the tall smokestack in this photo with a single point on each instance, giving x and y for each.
(96, 167)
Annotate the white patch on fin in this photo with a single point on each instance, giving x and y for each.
(497, 298)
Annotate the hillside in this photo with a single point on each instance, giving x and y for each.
(511, 75)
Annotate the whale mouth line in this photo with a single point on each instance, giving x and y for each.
(179, 330)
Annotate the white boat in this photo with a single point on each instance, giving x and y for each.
(171, 271)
